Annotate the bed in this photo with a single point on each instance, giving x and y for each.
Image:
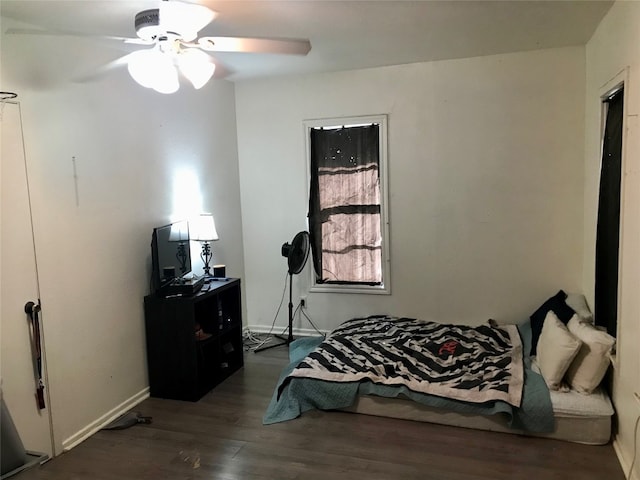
(578, 418)
(513, 396)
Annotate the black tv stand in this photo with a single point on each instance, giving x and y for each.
(193, 342)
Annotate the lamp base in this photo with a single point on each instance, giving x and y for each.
(206, 256)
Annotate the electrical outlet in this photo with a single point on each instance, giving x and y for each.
(303, 301)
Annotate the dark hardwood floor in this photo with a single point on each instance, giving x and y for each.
(221, 437)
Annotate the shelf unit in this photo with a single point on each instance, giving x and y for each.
(193, 342)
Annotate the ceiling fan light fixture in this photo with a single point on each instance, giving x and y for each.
(197, 67)
(173, 30)
(138, 67)
(153, 69)
(168, 82)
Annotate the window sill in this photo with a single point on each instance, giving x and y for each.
(354, 289)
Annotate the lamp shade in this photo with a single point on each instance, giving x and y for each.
(179, 232)
(204, 228)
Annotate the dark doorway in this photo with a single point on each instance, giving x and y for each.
(608, 228)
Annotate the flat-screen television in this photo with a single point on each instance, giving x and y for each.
(170, 257)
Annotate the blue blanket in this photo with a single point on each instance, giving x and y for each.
(299, 395)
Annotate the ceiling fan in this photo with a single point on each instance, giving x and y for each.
(168, 37)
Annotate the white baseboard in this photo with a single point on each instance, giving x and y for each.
(105, 419)
(623, 463)
(297, 332)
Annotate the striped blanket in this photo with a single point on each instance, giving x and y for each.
(473, 364)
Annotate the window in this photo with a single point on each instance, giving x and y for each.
(608, 220)
(348, 219)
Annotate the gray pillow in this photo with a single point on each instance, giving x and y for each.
(590, 365)
(557, 348)
(578, 303)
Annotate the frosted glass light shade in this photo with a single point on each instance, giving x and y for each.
(196, 66)
(153, 69)
(167, 82)
(139, 67)
(204, 228)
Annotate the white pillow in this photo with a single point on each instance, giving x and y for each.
(579, 305)
(590, 365)
(557, 348)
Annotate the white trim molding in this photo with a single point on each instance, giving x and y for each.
(623, 463)
(81, 435)
(297, 332)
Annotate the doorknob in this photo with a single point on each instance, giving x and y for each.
(31, 307)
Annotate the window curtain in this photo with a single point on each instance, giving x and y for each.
(608, 227)
(344, 205)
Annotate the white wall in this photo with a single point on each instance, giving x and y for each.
(131, 145)
(486, 184)
(615, 46)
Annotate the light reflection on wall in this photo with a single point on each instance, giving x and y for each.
(187, 197)
(187, 204)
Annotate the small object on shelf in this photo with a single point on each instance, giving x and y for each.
(202, 335)
(219, 271)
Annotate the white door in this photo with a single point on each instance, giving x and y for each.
(18, 285)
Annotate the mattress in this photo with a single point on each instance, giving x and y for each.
(568, 416)
(579, 418)
(295, 395)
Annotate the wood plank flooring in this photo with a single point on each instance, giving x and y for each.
(221, 437)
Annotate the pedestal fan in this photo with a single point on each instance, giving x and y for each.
(296, 254)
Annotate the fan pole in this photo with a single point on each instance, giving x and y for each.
(289, 339)
(297, 253)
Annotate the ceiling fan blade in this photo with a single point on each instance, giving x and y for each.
(103, 70)
(55, 32)
(138, 41)
(185, 18)
(255, 45)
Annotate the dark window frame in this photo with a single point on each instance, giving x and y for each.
(384, 287)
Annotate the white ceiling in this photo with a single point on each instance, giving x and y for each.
(344, 34)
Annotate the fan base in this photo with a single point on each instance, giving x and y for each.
(285, 342)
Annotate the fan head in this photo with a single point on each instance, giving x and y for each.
(297, 252)
(183, 20)
(169, 28)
